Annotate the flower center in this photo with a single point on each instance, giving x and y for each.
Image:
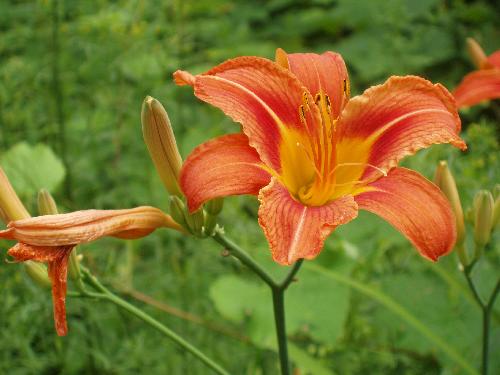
(316, 166)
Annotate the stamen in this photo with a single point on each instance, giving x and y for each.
(317, 98)
(384, 173)
(302, 114)
(309, 159)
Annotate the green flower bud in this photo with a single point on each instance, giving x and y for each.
(160, 140)
(214, 206)
(46, 204)
(38, 273)
(483, 221)
(445, 181)
(178, 210)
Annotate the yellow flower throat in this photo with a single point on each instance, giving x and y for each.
(315, 166)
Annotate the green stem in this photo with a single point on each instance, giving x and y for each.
(486, 310)
(279, 320)
(289, 278)
(106, 294)
(486, 327)
(278, 291)
(246, 259)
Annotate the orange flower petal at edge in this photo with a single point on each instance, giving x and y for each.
(494, 59)
(414, 206)
(86, 226)
(296, 231)
(326, 72)
(220, 167)
(478, 86)
(390, 121)
(264, 97)
(57, 258)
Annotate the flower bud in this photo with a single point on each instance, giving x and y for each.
(160, 140)
(210, 223)
(178, 210)
(46, 204)
(496, 211)
(10, 204)
(214, 206)
(38, 273)
(3, 216)
(477, 54)
(483, 207)
(445, 181)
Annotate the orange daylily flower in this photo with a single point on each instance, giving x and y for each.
(51, 239)
(482, 84)
(314, 156)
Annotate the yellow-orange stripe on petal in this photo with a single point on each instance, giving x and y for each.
(326, 73)
(220, 167)
(390, 121)
(414, 206)
(57, 259)
(478, 86)
(264, 97)
(295, 231)
(86, 226)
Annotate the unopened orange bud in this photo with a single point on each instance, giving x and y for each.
(445, 181)
(160, 140)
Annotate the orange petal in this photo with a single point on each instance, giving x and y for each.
(494, 59)
(57, 258)
(58, 273)
(320, 73)
(415, 207)
(478, 86)
(222, 166)
(296, 231)
(85, 226)
(396, 119)
(265, 98)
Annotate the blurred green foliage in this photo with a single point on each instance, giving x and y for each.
(72, 79)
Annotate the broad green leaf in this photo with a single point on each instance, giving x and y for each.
(31, 168)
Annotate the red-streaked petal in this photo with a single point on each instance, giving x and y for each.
(478, 86)
(326, 72)
(260, 95)
(494, 59)
(57, 259)
(396, 119)
(296, 231)
(220, 167)
(414, 206)
(58, 273)
(86, 226)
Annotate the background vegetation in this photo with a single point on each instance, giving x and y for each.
(73, 75)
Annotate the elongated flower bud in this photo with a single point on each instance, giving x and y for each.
(477, 54)
(46, 204)
(38, 273)
(483, 206)
(445, 181)
(160, 140)
(11, 205)
(178, 211)
(214, 206)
